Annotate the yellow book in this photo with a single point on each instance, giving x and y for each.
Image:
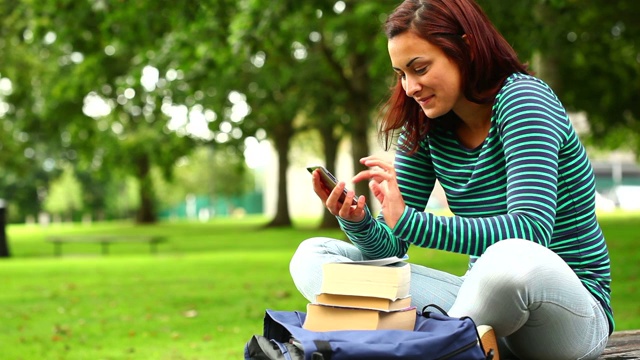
(364, 302)
(357, 279)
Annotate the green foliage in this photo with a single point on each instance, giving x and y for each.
(206, 171)
(604, 57)
(122, 198)
(62, 52)
(64, 197)
(589, 53)
(300, 66)
(316, 69)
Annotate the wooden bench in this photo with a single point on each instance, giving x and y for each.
(623, 345)
(104, 241)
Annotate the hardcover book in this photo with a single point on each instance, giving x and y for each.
(331, 318)
(347, 278)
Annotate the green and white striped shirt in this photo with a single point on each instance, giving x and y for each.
(530, 179)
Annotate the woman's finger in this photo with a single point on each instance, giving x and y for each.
(318, 186)
(375, 174)
(372, 161)
(376, 190)
(345, 208)
(350, 209)
(334, 196)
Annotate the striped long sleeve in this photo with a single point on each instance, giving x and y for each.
(530, 179)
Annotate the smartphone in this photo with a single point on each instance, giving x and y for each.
(330, 181)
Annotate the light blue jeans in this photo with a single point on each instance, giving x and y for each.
(536, 304)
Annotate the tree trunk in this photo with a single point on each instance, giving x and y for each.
(360, 147)
(4, 242)
(547, 69)
(546, 65)
(282, 141)
(360, 112)
(330, 154)
(146, 212)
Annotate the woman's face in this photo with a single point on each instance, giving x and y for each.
(427, 74)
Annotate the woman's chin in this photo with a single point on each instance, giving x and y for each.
(432, 113)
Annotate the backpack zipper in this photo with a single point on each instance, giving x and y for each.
(459, 351)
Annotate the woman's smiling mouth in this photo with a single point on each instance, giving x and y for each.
(424, 100)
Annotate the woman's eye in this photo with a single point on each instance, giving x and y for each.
(421, 71)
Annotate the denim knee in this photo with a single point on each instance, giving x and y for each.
(307, 248)
(515, 265)
(307, 261)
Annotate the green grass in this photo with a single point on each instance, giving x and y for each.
(201, 297)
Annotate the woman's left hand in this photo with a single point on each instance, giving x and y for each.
(384, 186)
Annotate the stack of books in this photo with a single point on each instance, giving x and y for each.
(364, 295)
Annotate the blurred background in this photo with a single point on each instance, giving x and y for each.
(165, 110)
(194, 121)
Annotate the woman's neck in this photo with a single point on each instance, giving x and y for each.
(474, 124)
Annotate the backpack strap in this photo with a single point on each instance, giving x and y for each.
(489, 355)
(426, 313)
(261, 348)
(323, 350)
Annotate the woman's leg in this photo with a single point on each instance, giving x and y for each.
(306, 264)
(530, 296)
(428, 286)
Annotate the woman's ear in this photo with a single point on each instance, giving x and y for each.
(467, 40)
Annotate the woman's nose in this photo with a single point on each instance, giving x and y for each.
(411, 86)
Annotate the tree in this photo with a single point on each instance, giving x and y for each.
(98, 49)
(359, 60)
(22, 153)
(601, 60)
(208, 171)
(308, 61)
(64, 196)
(116, 88)
(272, 82)
(325, 113)
(588, 52)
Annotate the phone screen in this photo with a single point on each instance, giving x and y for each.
(330, 181)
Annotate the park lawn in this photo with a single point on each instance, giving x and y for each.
(201, 297)
(140, 307)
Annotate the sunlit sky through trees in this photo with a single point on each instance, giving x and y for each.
(185, 121)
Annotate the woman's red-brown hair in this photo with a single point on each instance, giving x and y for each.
(484, 57)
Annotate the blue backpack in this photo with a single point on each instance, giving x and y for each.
(435, 336)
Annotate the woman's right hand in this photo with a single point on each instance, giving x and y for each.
(331, 198)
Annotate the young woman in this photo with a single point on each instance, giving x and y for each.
(516, 177)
